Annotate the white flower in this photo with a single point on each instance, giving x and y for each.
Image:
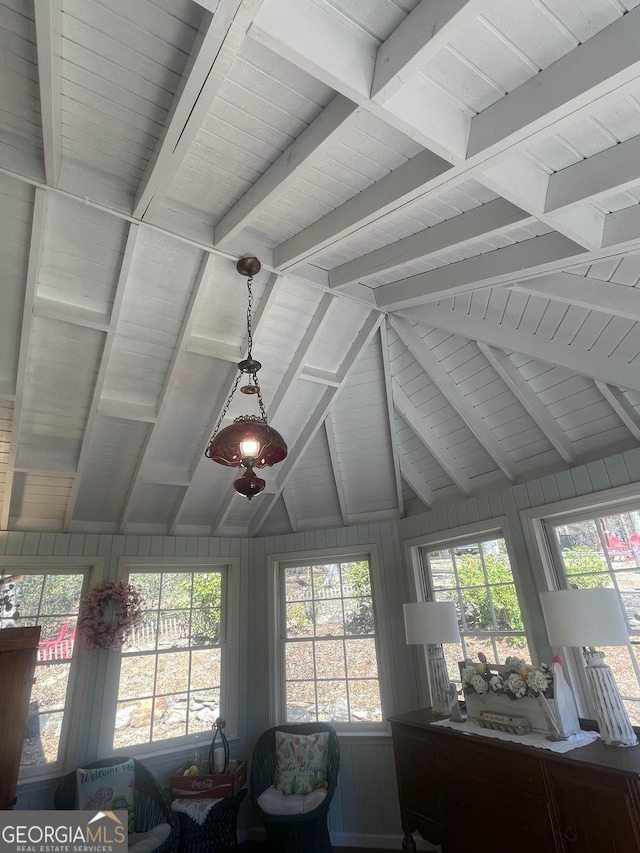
(479, 684)
(537, 681)
(467, 674)
(516, 685)
(515, 663)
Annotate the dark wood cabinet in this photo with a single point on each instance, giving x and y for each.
(18, 652)
(468, 792)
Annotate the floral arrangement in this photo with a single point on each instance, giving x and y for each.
(120, 600)
(516, 679)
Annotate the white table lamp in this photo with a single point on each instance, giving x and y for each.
(432, 623)
(588, 618)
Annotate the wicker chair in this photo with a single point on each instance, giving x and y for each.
(300, 833)
(150, 806)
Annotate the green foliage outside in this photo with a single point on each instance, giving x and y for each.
(503, 594)
(582, 564)
(357, 576)
(173, 592)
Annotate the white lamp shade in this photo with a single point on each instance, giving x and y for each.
(431, 622)
(584, 617)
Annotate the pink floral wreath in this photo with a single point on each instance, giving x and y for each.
(126, 604)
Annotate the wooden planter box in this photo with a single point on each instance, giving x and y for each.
(210, 786)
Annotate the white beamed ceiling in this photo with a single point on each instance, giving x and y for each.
(445, 199)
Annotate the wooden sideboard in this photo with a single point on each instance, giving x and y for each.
(18, 653)
(473, 793)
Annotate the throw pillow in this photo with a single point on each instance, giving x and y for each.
(301, 761)
(273, 801)
(107, 788)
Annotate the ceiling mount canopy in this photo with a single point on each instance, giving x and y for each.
(249, 442)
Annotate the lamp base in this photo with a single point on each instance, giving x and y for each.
(613, 721)
(439, 681)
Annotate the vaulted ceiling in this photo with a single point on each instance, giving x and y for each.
(445, 199)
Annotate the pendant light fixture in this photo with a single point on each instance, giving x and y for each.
(249, 442)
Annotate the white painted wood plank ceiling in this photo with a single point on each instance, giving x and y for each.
(444, 196)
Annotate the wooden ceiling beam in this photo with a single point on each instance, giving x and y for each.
(217, 45)
(532, 404)
(595, 68)
(33, 272)
(97, 401)
(494, 217)
(593, 294)
(498, 266)
(432, 367)
(581, 361)
(317, 417)
(430, 439)
(48, 23)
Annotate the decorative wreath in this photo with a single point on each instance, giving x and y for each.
(121, 603)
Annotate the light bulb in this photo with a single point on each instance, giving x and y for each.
(249, 448)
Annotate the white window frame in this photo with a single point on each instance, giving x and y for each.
(229, 665)
(80, 680)
(609, 501)
(454, 538)
(276, 680)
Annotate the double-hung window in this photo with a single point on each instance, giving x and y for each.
(173, 673)
(600, 547)
(328, 658)
(46, 592)
(475, 573)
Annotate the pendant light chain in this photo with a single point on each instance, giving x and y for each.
(263, 413)
(249, 442)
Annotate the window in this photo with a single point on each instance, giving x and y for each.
(476, 575)
(47, 596)
(602, 549)
(328, 642)
(172, 669)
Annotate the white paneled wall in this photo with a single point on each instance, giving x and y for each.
(365, 810)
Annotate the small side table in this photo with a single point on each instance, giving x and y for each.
(217, 833)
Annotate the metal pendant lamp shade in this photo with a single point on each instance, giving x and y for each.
(249, 442)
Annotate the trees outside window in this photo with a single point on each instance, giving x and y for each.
(477, 576)
(48, 597)
(603, 550)
(172, 667)
(328, 643)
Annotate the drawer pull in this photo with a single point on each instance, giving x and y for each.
(570, 833)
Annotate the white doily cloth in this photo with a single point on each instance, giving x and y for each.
(196, 809)
(533, 739)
